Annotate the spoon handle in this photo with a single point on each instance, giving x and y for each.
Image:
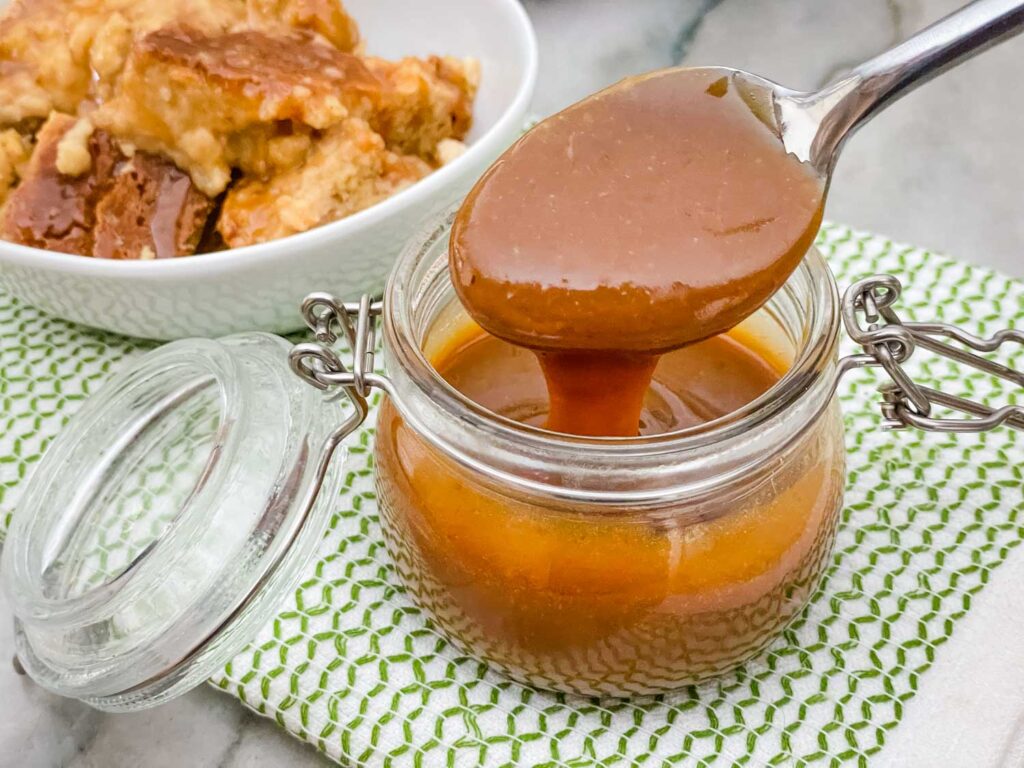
(842, 107)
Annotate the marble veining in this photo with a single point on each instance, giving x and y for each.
(940, 169)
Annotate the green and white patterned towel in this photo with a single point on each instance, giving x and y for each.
(352, 667)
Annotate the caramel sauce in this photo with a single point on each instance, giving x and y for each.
(54, 211)
(174, 190)
(120, 208)
(657, 213)
(151, 206)
(611, 601)
(695, 384)
(265, 66)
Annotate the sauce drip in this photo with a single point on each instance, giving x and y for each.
(693, 385)
(654, 214)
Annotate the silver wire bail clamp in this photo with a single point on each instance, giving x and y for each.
(888, 342)
(316, 362)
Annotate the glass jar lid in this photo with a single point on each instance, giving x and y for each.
(167, 519)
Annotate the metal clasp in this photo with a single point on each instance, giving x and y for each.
(888, 342)
(316, 362)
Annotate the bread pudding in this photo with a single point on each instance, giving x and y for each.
(140, 129)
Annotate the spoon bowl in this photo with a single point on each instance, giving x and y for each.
(668, 197)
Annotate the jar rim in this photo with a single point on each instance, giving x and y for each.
(807, 368)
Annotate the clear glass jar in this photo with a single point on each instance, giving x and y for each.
(179, 506)
(609, 566)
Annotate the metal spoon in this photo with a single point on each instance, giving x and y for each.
(814, 126)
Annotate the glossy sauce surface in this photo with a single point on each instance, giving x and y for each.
(693, 385)
(654, 214)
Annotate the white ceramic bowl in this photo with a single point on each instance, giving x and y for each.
(260, 287)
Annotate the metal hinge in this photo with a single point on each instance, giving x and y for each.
(889, 342)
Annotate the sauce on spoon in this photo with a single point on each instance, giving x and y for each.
(654, 214)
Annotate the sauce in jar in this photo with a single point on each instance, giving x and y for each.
(599, 600)
(695, 384)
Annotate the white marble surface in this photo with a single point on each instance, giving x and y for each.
(940, 169)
